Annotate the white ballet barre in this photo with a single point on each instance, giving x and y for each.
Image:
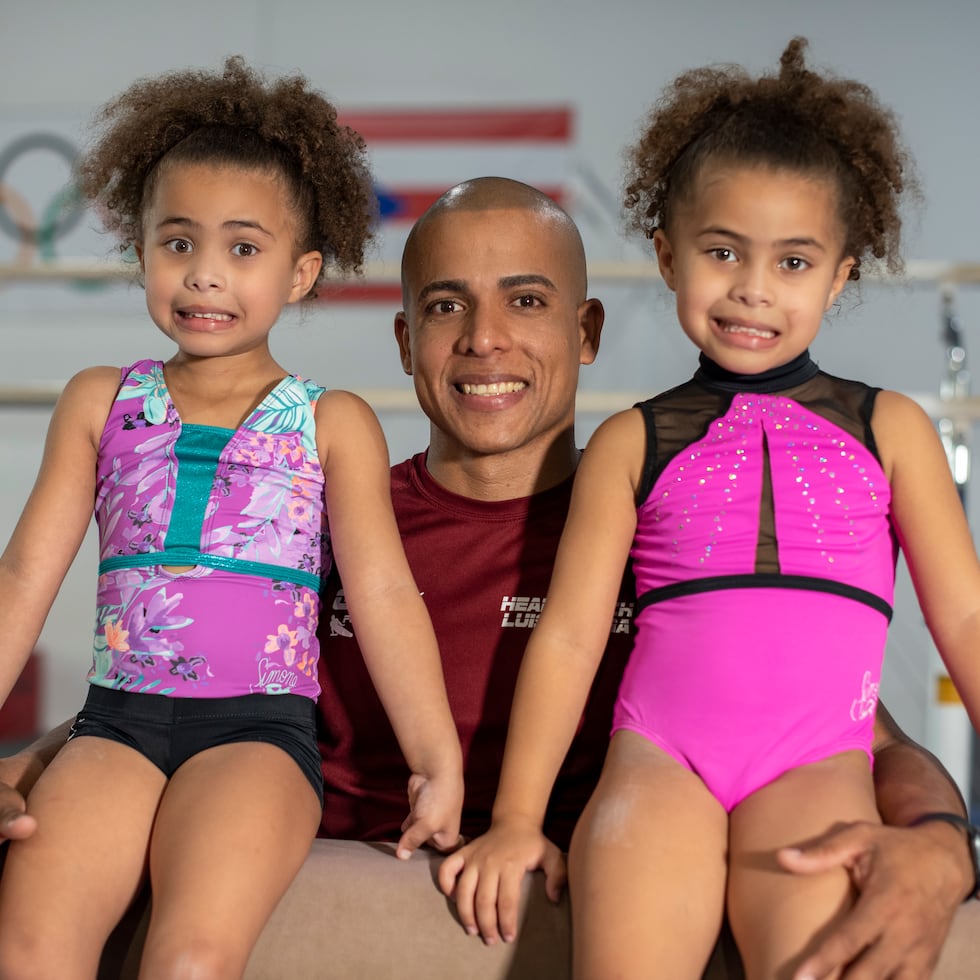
(91, 270)
(916, 271)
(43, 394)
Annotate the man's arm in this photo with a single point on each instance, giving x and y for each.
(910, 880)
(18, 774)
(909, 780)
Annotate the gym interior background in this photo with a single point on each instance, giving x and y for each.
(556, 88)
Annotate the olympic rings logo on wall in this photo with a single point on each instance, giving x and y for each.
(45, 205)
(59, 216)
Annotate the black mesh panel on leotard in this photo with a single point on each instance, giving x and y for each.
(681, 416)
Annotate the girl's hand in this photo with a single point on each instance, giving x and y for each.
(484, 877)
(436, 804)
(18, 774)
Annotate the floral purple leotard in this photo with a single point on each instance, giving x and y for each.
(245, 509)
(765, 561)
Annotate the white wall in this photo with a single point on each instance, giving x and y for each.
(608, 62)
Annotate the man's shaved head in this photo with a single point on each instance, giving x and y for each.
(497, 194)
(495, 328)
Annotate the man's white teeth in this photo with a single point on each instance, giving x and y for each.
(497, 388)
(750, 331)
(209, 316)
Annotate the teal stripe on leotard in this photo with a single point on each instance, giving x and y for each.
(279, 573)
(198, 449)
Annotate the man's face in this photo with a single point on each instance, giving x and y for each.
(495, 329)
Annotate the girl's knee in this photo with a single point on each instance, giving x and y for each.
(609, 822)
(191, 958)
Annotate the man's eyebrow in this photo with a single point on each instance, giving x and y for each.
(442, 286)
(505, 282)
(529, 279)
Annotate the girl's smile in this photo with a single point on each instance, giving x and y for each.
(203, 320)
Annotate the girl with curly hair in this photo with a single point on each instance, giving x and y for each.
(761, 504)
(195, 759)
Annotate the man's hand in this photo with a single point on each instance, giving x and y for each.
(909, 883)
(484, 877)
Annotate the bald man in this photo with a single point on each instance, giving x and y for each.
(496, 325)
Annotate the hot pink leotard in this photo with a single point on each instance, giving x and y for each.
(245, 509)
(764, 558)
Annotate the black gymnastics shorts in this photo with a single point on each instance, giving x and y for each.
(168, 731)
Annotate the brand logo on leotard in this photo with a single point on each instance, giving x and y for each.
(276, 679)
(865, 705)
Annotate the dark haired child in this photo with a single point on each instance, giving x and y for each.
(224, 488)
(761, 504)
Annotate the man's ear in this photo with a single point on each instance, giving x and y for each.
(591, 316)
(665, 256)
(404, 342)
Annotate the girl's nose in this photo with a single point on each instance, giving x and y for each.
(752, 285)
(204, 272)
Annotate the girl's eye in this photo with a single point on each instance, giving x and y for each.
(794, 263)
(244, 250)
(722, 254)
(180, 245)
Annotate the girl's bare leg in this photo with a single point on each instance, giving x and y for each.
(646, 869)
(777, 916)
(233, 829)
(65, 887)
